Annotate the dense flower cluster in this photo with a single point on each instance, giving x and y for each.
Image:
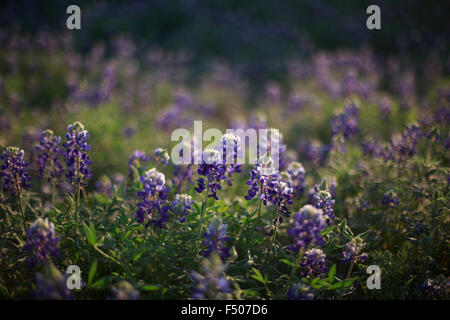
(77, 159)
(270, 186)
(182, 206)
(52, 285)
(280, 193)
(153, 198)
(212, 284)
(214, 172)
(308, 223)
(314, 262)
(138, 157)
(41, 242)
(216, 239)
(14, 171)
(353, 251)
(49, 152)
(346, 122)
(299, 291)
(124, 291)
(322, 200)
(259, 178)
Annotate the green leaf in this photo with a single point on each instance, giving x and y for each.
(286, 261)
(150, 287)
(90, 233)
(92, 272)
(258, 276)
(331, 274)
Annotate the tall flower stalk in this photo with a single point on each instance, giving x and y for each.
(308, 224)
(214, 172)
(15, 175)
(77, 159)
(48, 158)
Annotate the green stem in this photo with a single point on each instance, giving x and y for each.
(53, 192)
(19, 196)
(349, 272)
(350, 269)
(260, 207)
(107, 256)
(277, 217)
(205, 201)
(296, 263)
(78, 186)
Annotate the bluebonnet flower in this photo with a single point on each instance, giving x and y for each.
(308, 224)
(162, 156)
(77, 159)
(270, 186)
(314, 151)
(259, 178)
(229, 148)
(182, 206)
(322, 200)
(300, 291)
(124, 291)
(52, 285)
(346, 122)
(138, 157)
(297, 175)
(153, 198)
(216, 239)
(212, 284)
(314, 262)
(14, 171)
(353, 251)
(404, 146)
(371, 148)
(49, 152)
(41, 242)
(280, 193)
(213, 170)
(390, 198)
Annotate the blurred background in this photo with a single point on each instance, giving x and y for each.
(139, 69)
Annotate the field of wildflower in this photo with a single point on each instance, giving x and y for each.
(88, 182)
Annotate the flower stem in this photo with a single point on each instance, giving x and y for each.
(205, 201)
(19, 196)
(296, 263)
(259, 208)
(78, 185)
(53, 182)
(277, 218)
(107, 256)
(350, 269)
